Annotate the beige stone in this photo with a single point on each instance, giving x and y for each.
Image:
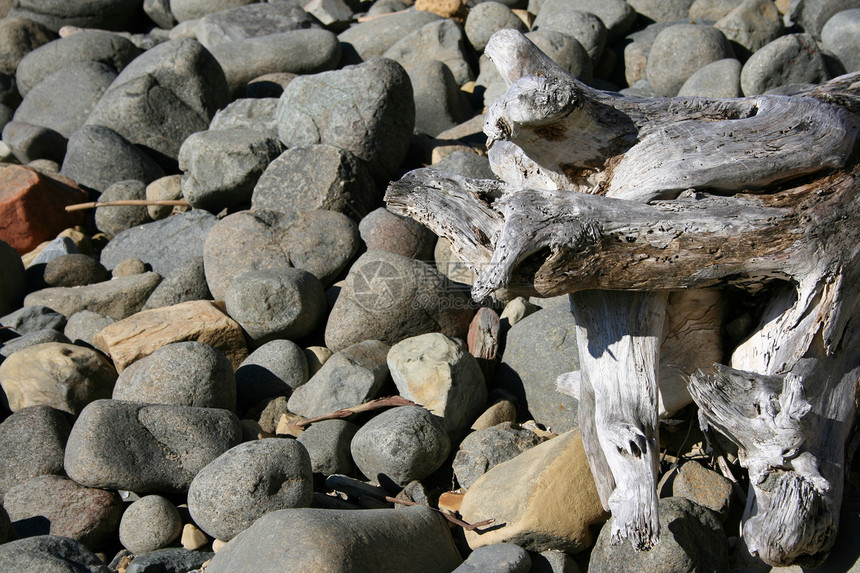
(141, 334)
(545, 498)
(218, 544)
(164, 189)
(287, 425)
(501, 411)
(63, 376)
(455, 9)
(192, 537)
(316, 356)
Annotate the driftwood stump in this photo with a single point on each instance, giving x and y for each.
(625, 202)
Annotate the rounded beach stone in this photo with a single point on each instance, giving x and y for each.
(372, 38)
(584, 27)
(49, 554)
(370, 112)
(150, 523)
(407, 540)
(273, 369)
(32, 442)
(276, 303)
(486, 19)
(56, 505)
(222, 166)
(251, 21)
(790, 59)
(328, 443)
(30, 142)
(32, 339)
(482, 450)
(400, 445)
(751, 25)
(97, 157)
(74, 269)
(720, 79)
(83, 325)
(841, 37)
(320, 242)
(186, 282)
(100, 46)
(437, 97)
(18, 37)
(33, 318)
(247, 482)
(184, 374)
(679, 50)
(382, 229)
(317, 177)
(115, 219)
(13, 280)
(442, 40)
(499, 558)
(167, 188)
(63, 376)
(258, 114)
(438, 373)
(691, 539)
(193, 9)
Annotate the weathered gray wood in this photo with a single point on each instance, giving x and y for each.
(788, 210)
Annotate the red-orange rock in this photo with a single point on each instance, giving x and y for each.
(32, 206)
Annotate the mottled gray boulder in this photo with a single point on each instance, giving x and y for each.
(32, 339)
(661, 10)
(298, 51)
(49, 554)
(408, 540)
(538, 349)
(390, 297)
(382, 229)
(222, 166)
(712, 10)
(372, 38)
(400, 445)
(32, 318)
(164, 245)
(251, 21)
(437, 97)
(32, 442)
(63, 376)
(74, 269)
(584, 27)
(484, 449)
(317, 177)
(254, 113)
(487, 18)
(30, 142)
(104, 14)
(499, 558)
(97, 157)
(274, 369)
(247, 482)
(350, 377)
(118, 298)
(380, 7)
(184, 374)
(55, 505)
(438, 373)
(169, 560)
(791, 59)
(189, 84)
(146, 447)
(276, 303)
(100, 46)
(186, 281)
(466, 163)
(13, 280)
(18, 37)
(716, 80)
(328, 445)
(679, 50)
(150, 523)
(115, 219)
(811, 15)
(751, 25)
(369, 111)
(442, 40)
(636, 49)
(320, 242)
(841, 37)
(82, 327)
(617, 15)
(63, 100)
(691, 539)
(184, 10)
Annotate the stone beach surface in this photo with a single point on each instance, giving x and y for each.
(162, 366)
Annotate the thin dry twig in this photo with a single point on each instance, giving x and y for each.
(128, 202)
(366, 407)
(448, 516)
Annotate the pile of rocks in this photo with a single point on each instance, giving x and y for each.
(163, 367)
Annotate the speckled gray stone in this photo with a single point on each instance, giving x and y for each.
(146, 447)
(441, 40)
(247, 482)
(487, 18)
(328, 445)
(49, 554)
(499, 558)
(437, 97)
(679, 50)
(373, 37)
(585, 27)
(184, 374)
(751, 25)
(255, 113)
(716, 80)
(193, 9)
(484, 449)
(32, 442)
(187, 281)
(790, 59)
(32, 339)
(118, 298)
(32, 318)
(382, 229)
(150, 523)
(169, 560)
(841, 37)
(400, 445)
(661, 10)
(115, 219)
(251, 21)
(83, 325)
(74, 269)
(273, 369)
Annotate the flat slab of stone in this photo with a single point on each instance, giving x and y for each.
(145, 332)
(118, 298)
